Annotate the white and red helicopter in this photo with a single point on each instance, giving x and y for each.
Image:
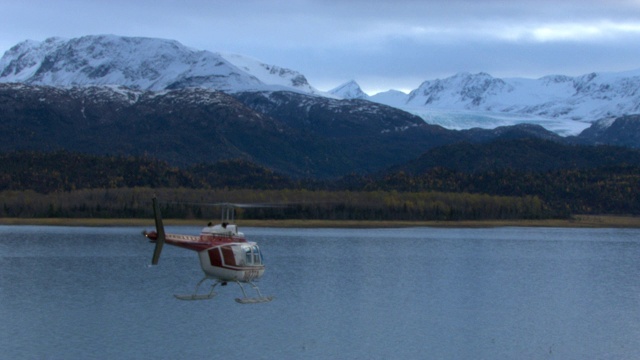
(225, 254)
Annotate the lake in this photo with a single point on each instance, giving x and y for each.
(414, 293)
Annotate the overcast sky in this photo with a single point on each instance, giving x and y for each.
(382, 44)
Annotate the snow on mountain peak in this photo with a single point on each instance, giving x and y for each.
(349, 90)
(140, 63)
(561, 103)
(564, 104)
(271, 74)
(463, 90)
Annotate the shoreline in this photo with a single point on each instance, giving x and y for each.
(577, 221)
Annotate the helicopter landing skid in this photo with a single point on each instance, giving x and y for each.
(254, 300)
(196, 296)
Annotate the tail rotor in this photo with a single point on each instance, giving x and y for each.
(159, 230)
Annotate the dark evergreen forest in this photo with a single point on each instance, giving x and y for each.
(64, 184)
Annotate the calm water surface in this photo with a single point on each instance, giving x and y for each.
(419, 293)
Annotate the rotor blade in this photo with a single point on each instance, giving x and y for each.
(232, 205)
(247, 206)
(159, 231)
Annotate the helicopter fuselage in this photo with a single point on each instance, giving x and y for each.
(225, 255)
(224, 252)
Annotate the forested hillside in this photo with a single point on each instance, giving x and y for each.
(525, 154)
(585, 180)
(569, 179)
(63, 184)
(64, 171)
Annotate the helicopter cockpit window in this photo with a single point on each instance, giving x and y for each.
(252, 255)
(257, 256)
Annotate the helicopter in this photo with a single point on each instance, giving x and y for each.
(225, 254)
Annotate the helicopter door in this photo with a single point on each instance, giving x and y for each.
(222, 255)
(214, 257)
(229, 255)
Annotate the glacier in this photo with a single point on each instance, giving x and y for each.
(463, 120)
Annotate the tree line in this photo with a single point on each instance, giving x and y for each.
(603, 190)
(186, 203)
(64, 184)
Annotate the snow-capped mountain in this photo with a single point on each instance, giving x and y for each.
(349, 90)
(396, 97)
(563, 104)
(587, 98)
(271, 74)
(140, 63)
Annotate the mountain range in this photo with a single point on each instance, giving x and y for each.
(563, 104)
(152, 97)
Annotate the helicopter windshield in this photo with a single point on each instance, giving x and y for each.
(253, 256)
